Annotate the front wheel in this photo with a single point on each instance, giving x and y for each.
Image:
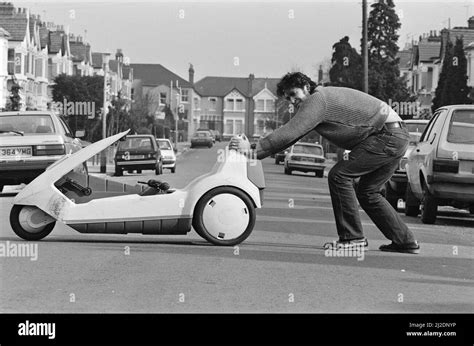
(224, 216)
(30, 223)
(287, 171)
(173, 170)
(412, 205)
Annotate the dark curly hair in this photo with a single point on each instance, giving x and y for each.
(294, 80)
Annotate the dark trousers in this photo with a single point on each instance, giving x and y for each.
(374, 161)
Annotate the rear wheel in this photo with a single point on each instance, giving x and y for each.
(159, 168)
(139, 171)
(224, 216)
(429, 207)
(30, 223)
(391, 196)
(287, 171)
(173, 170)
(319, 174)
(277, 161)
(118, 171)
(412, 205)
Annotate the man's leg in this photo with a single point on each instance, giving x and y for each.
(377, 207)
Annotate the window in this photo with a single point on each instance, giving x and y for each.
(239, 126)
(163, 98)
(239, 105)
(39, 67)
(11, 61)
(260, 127)
(212, 103)
(234, 104)
(197, 103)
(229, 126)
(18, 62)
(269, 105)
(260, 105)
(427, 135)
(229, 104)
(461, 127)
(184, 95)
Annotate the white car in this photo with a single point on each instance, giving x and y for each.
(30, 141)
(305, 157)
(167, 152)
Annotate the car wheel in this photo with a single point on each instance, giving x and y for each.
(277, 162)
(118, 172)
(30, 223)
(287, 171)
(319, 174)
(412, 205)
(173, 170)
(391, 196)
(429, 207)
(159, 168)
(224, 216)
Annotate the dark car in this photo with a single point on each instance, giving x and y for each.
(202, 138)
(138, 152)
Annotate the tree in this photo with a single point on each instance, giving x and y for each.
(385, 82)
(440, 94)
(346, 69)
(14, 101)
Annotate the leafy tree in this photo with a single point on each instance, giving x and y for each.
(14, 101)
(440, 94)
(385, 82)
(346, 69)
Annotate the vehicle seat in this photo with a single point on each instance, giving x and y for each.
(43, 129)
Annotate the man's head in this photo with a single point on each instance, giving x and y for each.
(295, 87)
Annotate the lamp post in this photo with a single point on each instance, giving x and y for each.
(365, 58)
(103, 157)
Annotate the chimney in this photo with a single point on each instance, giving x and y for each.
(470, 23)
(320, 74)
(191, 74)
(119, 55)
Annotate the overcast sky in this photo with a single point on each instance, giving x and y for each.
(266, 38)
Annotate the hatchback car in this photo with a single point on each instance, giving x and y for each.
(30, 141)
(305, 157)
(396, 187)
(138, 152)
(441, 167)
(202, 138)
(167, 152)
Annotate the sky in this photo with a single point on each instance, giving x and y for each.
(232, 37)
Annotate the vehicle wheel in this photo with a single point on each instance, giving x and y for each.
(224, 216)
(319, 174)
(429, 207)
(118, 172)
(159, 168)
(277, 162)
(30, 223)
(471, 208)
(412, 205)
(391, 196)
(210, 145)
(173, 170)
(287, 171)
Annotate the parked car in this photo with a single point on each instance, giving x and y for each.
(210, 131)
(305, 157)
(280, 156)
(30, 141)
(396, 187)
(169, 157)
(138, 152)
(441, 167)
(202, 138)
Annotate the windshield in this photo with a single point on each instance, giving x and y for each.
(137, 143)
(165, 145)
(27, 124)
(307, 149)
(416, 127)
(461, 127)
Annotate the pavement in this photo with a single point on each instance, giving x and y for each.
(281, 267)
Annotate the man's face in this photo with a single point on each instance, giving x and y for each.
(297, 95)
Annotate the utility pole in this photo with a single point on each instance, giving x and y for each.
(103, 158)
(365, 57)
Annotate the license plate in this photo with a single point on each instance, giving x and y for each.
(136, 157)
(16, 152)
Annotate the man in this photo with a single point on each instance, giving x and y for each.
(377, 138)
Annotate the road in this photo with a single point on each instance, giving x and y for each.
(281, 267)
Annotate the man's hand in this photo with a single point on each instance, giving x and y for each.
(240, 143)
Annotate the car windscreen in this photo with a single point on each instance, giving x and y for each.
(307, 149)
(461, 127)
(27, 124)
(416, 127)
(136, 143)
(165, 145)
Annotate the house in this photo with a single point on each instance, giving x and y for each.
(159, 88)
(4, 93)
(235, 105)
(81, 56)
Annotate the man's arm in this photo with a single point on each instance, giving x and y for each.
(309, 115)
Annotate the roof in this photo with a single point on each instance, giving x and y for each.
(467, 35)
(428, 51)
(97, 59)
(157, 74)
(55, 41)
(44, 36)
(16, 26)
(80, 51)
(405, 58)
(4, 33)
(221, 86)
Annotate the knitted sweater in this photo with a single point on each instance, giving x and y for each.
(343, 116)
